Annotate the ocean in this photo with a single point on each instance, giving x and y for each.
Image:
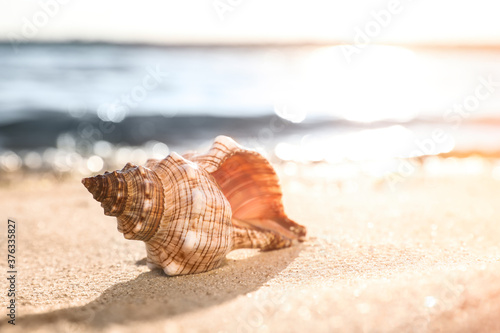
(62, 104)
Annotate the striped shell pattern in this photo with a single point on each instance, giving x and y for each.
(192, 210)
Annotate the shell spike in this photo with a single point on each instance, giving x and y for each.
(96, 186)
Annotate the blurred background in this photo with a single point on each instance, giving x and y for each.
(382, 88)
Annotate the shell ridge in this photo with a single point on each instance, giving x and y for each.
(185, 260)
(199, 256)
(165, 233)
(222, 240)
(180, 198)
(182, 218)
(135, 203)
(206, 246)
(222, 148)
(209, 240)
(157, 210)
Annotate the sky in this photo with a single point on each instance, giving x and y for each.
(253, 21)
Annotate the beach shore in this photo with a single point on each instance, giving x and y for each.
(424, 256)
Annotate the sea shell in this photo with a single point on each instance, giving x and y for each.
(192, 210)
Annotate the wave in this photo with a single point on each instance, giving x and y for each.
(42, 128)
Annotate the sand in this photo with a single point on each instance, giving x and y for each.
(422, 257)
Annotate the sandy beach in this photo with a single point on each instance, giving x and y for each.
(382, 121)
(423, 257)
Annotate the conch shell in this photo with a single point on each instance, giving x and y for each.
(192, 210)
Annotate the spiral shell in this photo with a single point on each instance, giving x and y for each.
(192, 210)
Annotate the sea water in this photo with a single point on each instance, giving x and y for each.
(299, 102)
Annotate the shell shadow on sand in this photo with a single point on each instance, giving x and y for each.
(155, 296)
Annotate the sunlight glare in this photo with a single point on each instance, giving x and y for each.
(381, 84)
(372, 144)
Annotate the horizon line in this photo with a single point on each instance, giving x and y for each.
(194, 44)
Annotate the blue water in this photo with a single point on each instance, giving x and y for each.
(72, 78)
(54, 91)
(241, 81)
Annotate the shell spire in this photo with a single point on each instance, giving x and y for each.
(192, 210)
(139, 218)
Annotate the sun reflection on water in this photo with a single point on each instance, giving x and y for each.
(383, 84)
(384, 143)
